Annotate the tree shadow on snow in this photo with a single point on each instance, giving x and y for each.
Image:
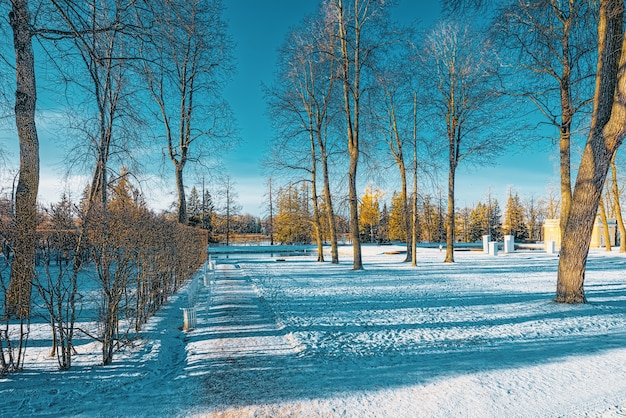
(243, 376)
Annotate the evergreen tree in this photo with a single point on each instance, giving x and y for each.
(62, 214)
(485, 219)
(535, 216)
(495, 221)
(194, 207)
(514, 223)
(478, 223)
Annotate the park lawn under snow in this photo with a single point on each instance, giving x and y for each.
(480, 337)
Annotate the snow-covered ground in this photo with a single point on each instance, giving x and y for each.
(295, 338)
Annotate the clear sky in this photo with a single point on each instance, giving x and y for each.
(258, 29)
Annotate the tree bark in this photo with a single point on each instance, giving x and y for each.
(605, 226)
(408, 230)
(180, 188)
(566, 125)
(330, 212)
(23, 265)
(317, 227)
(351, 95)
(396, 150)
(414, 218)
(618, 208)
(607, 132)
(565, 168)
(450, 226)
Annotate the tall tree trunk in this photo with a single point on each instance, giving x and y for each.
(607, 133)
(618, 208)
(228, 214)
(450, 226)
(180, 188)
(565, 135)
(396, 150)
(354, 213)
(565, 168)
(271, 219)
(406, 213)
(317, 226)
(23, 265)
(605, 226)
(414, 220)
(330, 212)
(351, 96)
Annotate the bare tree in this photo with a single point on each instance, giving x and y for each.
(17, 299)
(302, 104)
(414, 219)
(22, 267)
(186, 63)
(606, 135)
(104, 38)
(555, 58)
(463, 94)
(362, 30)
(606, 233)
(397, 122)
(230, 208)
(58, 288)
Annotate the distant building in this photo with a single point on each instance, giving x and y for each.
(552, 232)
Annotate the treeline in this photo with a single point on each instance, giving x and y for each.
(220, 221)
(380, 222)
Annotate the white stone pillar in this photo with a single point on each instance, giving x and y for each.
(509, 243)
(486, 239)
(493, 247)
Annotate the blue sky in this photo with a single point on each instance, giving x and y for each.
(258, 29)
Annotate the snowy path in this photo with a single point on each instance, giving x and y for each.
(239, 345)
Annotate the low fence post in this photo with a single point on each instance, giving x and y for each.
(189, 318)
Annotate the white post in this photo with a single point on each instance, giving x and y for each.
(509, 243)
(189, 318)
(550, 247)
(486, 239)
(493, 248)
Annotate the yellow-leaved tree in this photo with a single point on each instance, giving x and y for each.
(369, 212)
